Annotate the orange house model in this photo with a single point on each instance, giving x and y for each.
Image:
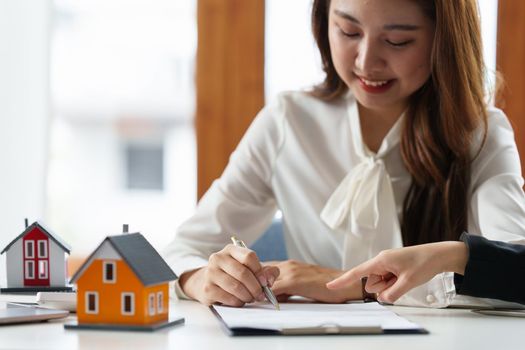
(124, 285)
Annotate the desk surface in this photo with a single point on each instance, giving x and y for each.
(449, 329)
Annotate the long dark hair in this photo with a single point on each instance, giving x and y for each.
(441, 120)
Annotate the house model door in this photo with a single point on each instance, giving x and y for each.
(36, 259)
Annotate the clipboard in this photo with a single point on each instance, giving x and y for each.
(324, 329)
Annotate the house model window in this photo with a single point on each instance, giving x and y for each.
(30, 270)
(128, 304)
(42, 269)
(42, 249)
(30, 249)
(160, 302)
(109, 272)
(91, 302)
(151, 304)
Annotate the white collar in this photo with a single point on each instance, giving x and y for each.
(354, 206)
(391, 139)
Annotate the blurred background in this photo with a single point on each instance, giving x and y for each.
(124, 111)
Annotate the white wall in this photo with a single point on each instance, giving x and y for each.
(24, 114)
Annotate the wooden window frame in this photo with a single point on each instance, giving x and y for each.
(510, 56)
(229, 80)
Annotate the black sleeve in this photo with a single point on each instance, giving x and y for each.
(494, 270)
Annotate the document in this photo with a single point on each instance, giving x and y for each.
(309, 318)
(12, 314)
(47, 300)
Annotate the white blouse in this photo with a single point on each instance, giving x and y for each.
(341, 203)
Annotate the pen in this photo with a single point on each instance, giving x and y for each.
(267, 291)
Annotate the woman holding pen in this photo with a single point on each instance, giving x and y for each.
(396, 147)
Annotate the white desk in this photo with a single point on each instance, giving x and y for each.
(449, 329)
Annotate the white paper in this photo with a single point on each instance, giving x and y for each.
(300, 315)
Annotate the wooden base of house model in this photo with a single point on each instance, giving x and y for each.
(124, 327)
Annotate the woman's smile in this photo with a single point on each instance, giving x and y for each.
(375, 86)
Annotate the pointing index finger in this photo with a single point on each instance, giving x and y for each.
(365, 269)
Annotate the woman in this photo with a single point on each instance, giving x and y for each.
(483, 268)
(396, 147)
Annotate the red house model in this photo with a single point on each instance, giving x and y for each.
(123, 285)
(36, 261)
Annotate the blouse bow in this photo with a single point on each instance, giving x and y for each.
(355, 204)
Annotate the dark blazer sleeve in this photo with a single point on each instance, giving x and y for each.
(494, 270)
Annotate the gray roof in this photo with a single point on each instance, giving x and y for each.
(141, 257)
(66, 247)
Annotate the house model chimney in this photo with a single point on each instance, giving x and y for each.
(26, 222)
(125, 229)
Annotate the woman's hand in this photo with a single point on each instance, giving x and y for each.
(394, 272)
(233, 277)
(309, 281)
